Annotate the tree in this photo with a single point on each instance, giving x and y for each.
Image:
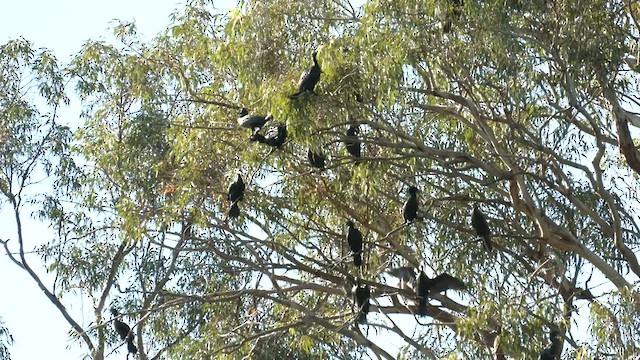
(520, 108)
(6, 340)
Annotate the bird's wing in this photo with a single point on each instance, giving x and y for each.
(305, 74)
(445, 282)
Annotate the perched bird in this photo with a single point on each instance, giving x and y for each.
(274, 137)
(124, 331)
(352, 144)
(354, 239)
(309, 78)
(481, 226)
(406, 277)
(253, 122)
(422, 291)
(315, 160)
(236, 190)
(234, 210)
(361, 296)
(410, 209)
(555, 350)
(187, 228)
(438, 284)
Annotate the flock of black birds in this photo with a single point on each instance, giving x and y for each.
(420, 283)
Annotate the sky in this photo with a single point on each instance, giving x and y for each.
(62, 26)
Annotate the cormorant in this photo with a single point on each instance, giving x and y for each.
(438, 284)
(253, 122)
(410, 209)
(234, 210)
(422, 291)
(352, 143)
(361, 296)
(555, 350)
(236, 190)
(481, 226)
(354, 239)
(274, 137)
(309, 78)
(124, 331)
(315, 160)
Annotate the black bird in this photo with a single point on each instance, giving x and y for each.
(236, 190)
(354, 239)
(316, 160)
(352, 143)
(481, 226)
(410, 209)
(124, 331)
(555, 350)
(234, 210)
(422, 291)
(275, 136)
(309, 78)
(438, 284)
(406, 277)
(253, 122)
(361, 296)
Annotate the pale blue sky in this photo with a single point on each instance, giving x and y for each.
(62, 26)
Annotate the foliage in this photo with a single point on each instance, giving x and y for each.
(521, 108)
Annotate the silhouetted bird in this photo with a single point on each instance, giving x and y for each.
(422, 291)
(410, 209)
(124, 331)
(253, 122)
(234, 210)
(309, 78)
(236, 190)
(187, 228)
(555, 350)
(352, 143)
(406, 277)
(315, 160)
(481, 226)
(361, 296)
(275, 136)
(438, 284)
(354, 239)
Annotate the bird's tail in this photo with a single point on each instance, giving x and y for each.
(357, 259)
(486, 243)
(131, 346)
(296, 95)
(422, 306)
(362, 318)
(234, 210)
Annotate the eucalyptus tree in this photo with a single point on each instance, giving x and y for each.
(524, 110)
